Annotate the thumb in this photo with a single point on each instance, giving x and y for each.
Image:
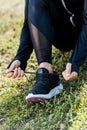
(14, 65)
(68, 69)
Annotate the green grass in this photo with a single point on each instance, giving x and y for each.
(67, 111)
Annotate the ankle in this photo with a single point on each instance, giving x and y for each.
(47, 66)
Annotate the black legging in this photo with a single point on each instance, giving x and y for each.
(49, 24)
(46, 23)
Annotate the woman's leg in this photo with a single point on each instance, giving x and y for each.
(47, 83)
(41, 30)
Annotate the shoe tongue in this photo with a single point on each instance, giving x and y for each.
(41, 71)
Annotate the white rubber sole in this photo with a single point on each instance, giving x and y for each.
(34, 98)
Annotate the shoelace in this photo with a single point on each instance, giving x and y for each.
(34, 73)
(38, 73)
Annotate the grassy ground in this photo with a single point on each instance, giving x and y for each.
(67, 111)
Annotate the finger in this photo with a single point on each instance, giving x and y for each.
(73, 75)
(68, 69)
(15, 73)
(19, 72)
(12, 67)
(9, 71)
(22, 73)
(68, 65)
(65, 76)
(9, 74)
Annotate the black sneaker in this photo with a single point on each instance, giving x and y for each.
(47, 85)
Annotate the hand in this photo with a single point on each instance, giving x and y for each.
(15, 70)
(67, 74)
